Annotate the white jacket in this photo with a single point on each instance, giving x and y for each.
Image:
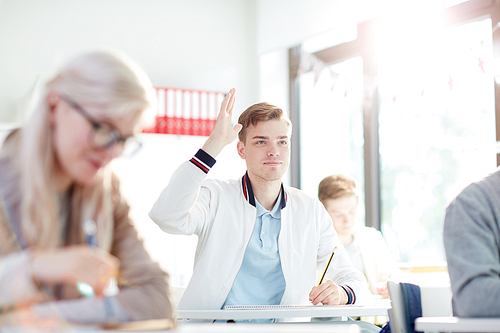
(222, 217)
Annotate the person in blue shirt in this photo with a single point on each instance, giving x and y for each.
(260, 242)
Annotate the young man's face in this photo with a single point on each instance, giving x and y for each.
(266, 150)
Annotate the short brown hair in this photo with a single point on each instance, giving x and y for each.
(336, 186)
(260, 112)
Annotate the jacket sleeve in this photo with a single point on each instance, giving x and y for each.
(183, 206)
(18, 286)
(471, 240)
(341, 270)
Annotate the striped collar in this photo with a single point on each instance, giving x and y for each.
(250, 197)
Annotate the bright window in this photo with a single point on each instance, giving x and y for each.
(331, 120)
(437, 128)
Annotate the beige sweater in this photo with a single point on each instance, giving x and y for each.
(144, 290)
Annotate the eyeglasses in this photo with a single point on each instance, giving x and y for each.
(105, 135)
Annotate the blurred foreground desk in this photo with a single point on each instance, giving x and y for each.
(455, 324)
(374, 308)
(212, 328)
(269, 328)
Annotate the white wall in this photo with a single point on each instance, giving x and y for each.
(194, 44)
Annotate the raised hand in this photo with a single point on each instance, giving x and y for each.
(223, 132)
(74, 264)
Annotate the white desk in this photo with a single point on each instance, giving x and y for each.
(376, 308)
(455, 324)
(268, 328)
(212, 328)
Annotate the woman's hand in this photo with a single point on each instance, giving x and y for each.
(328, 293)
(73, 264)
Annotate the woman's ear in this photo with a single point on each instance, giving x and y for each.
(52, 98)
(52, 101)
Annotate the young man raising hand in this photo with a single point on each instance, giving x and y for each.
(260, 242)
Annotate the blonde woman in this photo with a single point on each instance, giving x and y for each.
(63, 221)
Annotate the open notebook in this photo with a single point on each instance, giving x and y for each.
(275, 307)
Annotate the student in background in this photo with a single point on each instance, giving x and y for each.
(472, 245)
(55, 181)
(366, 246)
(260, 242)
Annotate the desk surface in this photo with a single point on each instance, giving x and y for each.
(209, 328)
(454, 324)
(268, 328)
(378, 308)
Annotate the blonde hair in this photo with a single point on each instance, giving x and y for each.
(260, 112)
(106, 79)
(336, 186)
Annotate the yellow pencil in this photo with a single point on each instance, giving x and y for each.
(327, 265)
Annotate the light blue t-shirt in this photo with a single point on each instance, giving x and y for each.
(260, 280)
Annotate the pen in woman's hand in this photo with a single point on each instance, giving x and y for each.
(89, 229)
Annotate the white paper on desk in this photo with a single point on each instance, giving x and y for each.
(277, 307)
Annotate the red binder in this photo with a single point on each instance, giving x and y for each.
(195, 113)
(212, 113)
(160, 118)
(185, 112)
(204, 113)
(169, 112)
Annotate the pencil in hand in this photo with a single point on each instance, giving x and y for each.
(327, 265)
